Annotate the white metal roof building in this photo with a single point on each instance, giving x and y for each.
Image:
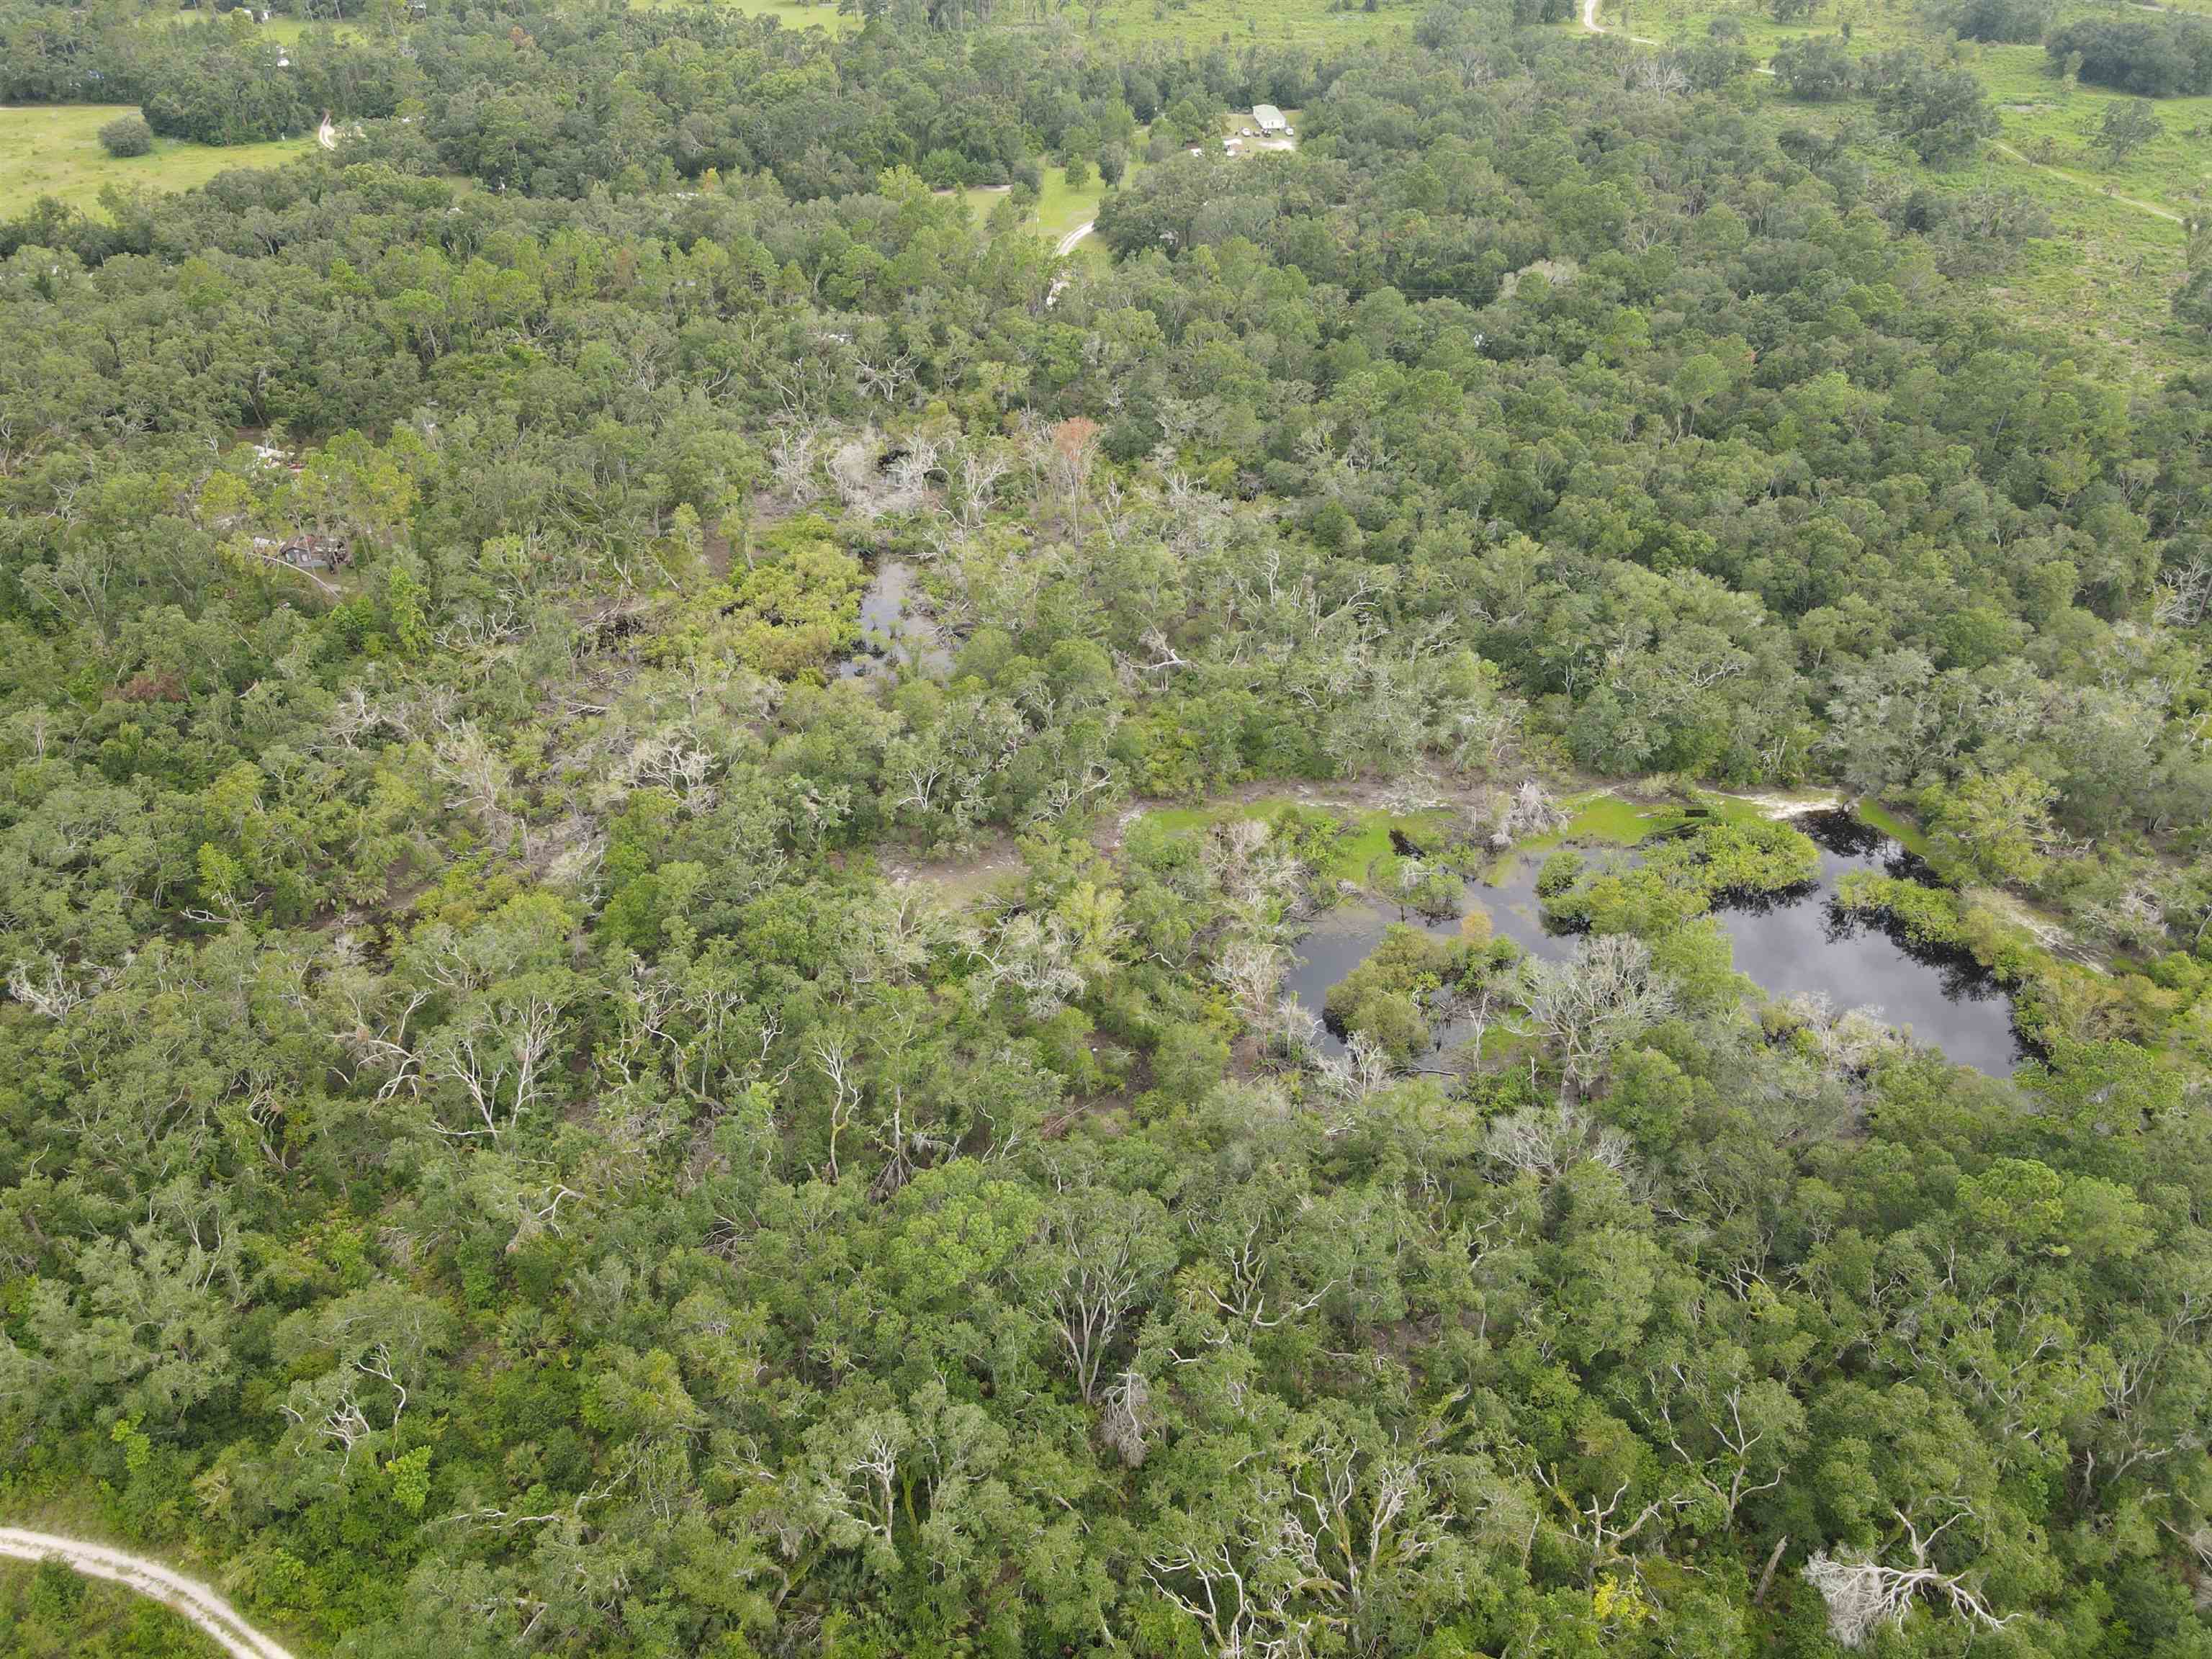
(1268, 118)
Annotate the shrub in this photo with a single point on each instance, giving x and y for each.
(1389, 996)
(127, 135)
(1744, 858)
(1816, 70)
(2152, 58)
(2000, 20)
(1561, 871)
(1929, 916)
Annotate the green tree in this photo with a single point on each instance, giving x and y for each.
(1943, 113)
(2127, 125)
(1993, 829)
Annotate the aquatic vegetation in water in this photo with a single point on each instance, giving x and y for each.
(1822, 930)
(1391, 994)
(1739, 859)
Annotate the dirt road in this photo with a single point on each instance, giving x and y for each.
(2082, 184)
(1590, 22)
(196, 1602)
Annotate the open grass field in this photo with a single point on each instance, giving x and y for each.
(2107, 271)
(1241, 22)
(2051, 123)
(286, 31)
(53, 149)
(792, 14)
(1216, 22)
(1062, 206)
(981, 199)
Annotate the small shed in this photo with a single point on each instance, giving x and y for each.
(1269, 121)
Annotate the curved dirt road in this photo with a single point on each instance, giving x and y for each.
(1067, 243)
(196, 1602)
(1590, 22)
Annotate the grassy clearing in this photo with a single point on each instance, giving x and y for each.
(2049, 122)
(981, 199)
(53, 149)
(286, 31)
(792, 14)
(1239, 23)
(1602, 819)
(1166, 823)
(797, 14)
(1896, 825)
(1874, 25)
(2107, 272)
(1366, 843)
(1062, 206)
(1608, 818)
(1363, 839)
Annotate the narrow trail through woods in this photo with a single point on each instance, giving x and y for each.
(2003, 149)
(199, 1602)
(1590, 22)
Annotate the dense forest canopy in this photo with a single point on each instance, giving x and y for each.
(550, 1103)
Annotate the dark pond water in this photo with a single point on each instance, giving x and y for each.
(1798, 942)
(1804, 944)
(893, 631)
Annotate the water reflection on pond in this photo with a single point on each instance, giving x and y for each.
(1801, 943)
(893, 633)
(1808, 944)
